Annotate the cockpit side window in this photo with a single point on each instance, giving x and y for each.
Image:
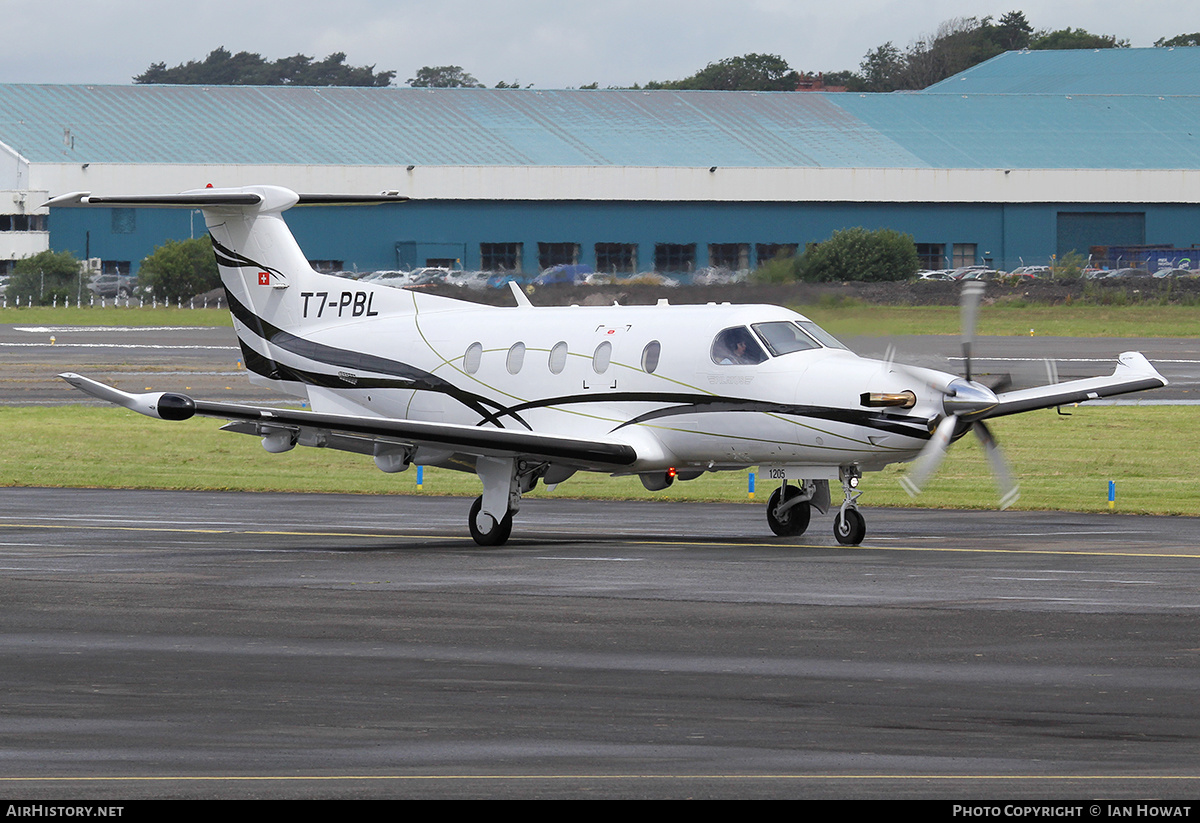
(783, 337)
(737, 347)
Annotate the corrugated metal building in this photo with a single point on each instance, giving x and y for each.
(1022, 157)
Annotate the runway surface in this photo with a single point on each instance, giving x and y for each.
(164, 644)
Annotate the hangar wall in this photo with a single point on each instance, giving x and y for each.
(377, 238)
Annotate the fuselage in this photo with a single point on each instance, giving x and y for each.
(668, 380)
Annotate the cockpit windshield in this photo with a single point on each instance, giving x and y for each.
(822, 336)
(784, 337)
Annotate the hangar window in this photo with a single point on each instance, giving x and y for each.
(602, 357)
(736, 347)
(616, 258)
(558, 358)
(732, 256)
(674, 257)
(516, 358)
(650, 356)
(557, 254)
(473, 358)
(766, 252)
(964, 254)
(932, 255)
(500, 256)
(114, 267)
(22, 222)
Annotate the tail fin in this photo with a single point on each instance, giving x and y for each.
(254, 249)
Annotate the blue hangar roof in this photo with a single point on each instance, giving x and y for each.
(1174, 71)
(525, 127)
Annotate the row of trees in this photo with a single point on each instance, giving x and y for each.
(955, 46)
(221, 68)
(176, 270)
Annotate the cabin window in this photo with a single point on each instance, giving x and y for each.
(602, 357)
(516, 358)
(558, 358)
(736, 347)
(473, 358)
(784, 337)
(650, 356)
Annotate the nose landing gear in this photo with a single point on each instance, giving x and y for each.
(849, 527)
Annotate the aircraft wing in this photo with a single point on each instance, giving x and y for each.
(361, 434)
(1133, 373)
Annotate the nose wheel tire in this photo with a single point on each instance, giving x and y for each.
(792, 522)
(849, 527)
(495, 534)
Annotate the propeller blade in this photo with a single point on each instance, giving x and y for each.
(930, 457)
(1002, 384)
(972, 293)
(1009, 490)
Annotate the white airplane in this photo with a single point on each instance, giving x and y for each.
(522, 394)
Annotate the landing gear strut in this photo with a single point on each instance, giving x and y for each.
(849, 527)
(504, 481)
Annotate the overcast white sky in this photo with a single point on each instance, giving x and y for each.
(549, 44)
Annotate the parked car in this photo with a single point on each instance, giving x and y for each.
(112, 285)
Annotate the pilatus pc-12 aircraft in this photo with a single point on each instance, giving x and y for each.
(522, 394)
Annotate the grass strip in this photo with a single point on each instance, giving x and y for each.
(1063, 463)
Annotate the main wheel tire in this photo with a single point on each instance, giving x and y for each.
(795, 520)
(849, 527)
(497, 535)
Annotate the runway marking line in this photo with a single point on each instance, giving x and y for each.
(717, 776)
(664, 542)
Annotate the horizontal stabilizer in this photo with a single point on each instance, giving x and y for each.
(248, 197)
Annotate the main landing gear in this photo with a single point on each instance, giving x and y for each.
(504, 481)
(789, 509)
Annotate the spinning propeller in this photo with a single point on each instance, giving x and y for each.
(965, 403)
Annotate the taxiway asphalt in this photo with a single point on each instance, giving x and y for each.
(169, 644)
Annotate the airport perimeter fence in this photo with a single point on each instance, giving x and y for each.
(115, 303)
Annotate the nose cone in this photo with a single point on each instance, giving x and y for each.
(968, 399)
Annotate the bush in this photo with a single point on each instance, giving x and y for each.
(180, 269)
(779, 269)
(859, 254)
(1069, 266)
(47, 277)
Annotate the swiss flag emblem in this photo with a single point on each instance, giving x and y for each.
(264, 279)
